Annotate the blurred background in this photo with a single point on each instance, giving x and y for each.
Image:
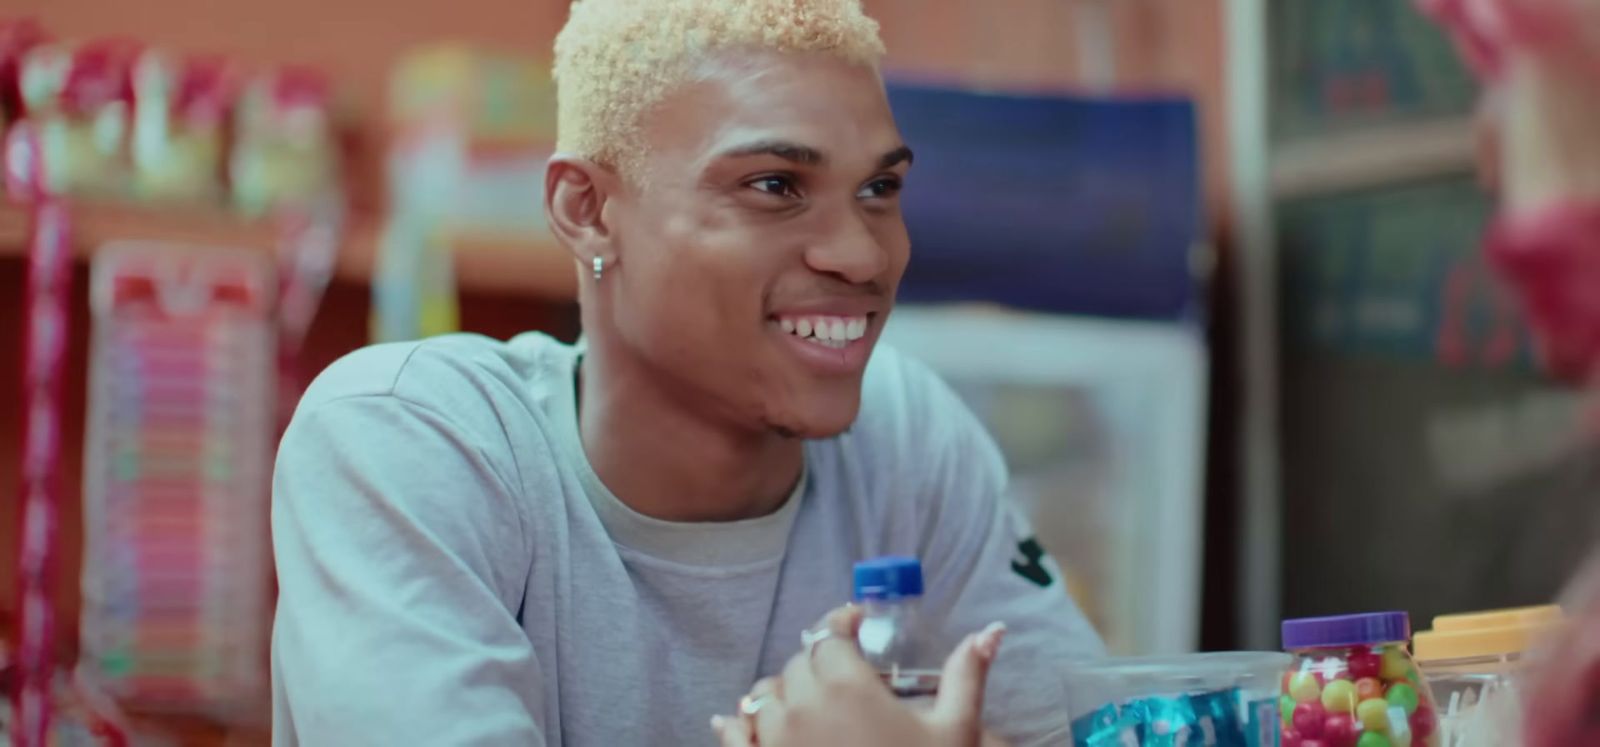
(1214, 267)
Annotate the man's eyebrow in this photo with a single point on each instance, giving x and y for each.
(895, 157)
(788, 151)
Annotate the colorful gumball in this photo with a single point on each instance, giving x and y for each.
(1286, 709)
(1394, 664)
(1373, 739)
(1308, 718)
(1403, 696)
(1368, 688)
(1304, 687)
(1313, 743)
(1339, 730)
(1340, 697)
(1365, 664)
(1424, 722)
(1374, 715)
(1290, 739)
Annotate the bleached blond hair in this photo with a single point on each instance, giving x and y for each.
(615, 59)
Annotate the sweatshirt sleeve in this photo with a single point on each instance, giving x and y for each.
(401, 556)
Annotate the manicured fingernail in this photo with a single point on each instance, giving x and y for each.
(717, 722)
(989, 640)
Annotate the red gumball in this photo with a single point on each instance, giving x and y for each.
(1308, 718)
(1313, 743)
(1290, 739)
(1339, 730)
(1423, 722)
(1365, 665)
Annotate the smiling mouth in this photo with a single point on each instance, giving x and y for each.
(825, 330)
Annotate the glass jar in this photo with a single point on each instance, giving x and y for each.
(1199, 700)
(1473, 663)
(1354, 684)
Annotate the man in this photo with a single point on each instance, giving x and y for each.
(528, 543)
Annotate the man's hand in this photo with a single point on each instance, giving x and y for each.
(829, 696)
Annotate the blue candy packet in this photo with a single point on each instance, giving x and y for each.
(1261, 725)
(1219, 718)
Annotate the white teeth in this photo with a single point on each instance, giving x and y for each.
(832, 331)
(822, 329)
(857, 329)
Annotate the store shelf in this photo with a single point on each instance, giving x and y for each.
(486, 264)
(1372, 156)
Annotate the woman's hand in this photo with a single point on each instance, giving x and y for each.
(1564, 682)
(829, 696)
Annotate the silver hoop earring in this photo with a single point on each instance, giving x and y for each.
(599, 266)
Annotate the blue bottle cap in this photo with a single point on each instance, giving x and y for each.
(888, 578)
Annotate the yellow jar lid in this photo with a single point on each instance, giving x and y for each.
(1491, 633)
(1544, 614)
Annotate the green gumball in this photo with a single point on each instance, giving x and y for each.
(1403, 696)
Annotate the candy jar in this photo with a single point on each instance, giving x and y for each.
(1354, 684)
(1474, 663)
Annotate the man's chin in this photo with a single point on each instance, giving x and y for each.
(819, 421)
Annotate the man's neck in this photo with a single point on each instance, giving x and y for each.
(666, 459)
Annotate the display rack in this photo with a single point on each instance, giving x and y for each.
(484, 264)
(1278, 154)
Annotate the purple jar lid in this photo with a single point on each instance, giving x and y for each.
(1347, 630)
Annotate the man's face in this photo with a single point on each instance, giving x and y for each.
(761, 241)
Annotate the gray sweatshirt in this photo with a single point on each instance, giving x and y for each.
(452, 571)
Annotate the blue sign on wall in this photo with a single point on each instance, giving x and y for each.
(1060, 204)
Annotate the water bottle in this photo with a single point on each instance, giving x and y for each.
(892, 638)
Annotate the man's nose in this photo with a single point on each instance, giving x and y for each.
(850, 251)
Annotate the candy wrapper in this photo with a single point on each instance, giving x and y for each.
(286, 150)
(82, 101)
(1220, 718)
(17, 38)
(180, 117)
(1198, 700)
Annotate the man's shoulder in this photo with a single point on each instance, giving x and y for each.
(900, 392)
(444, 373)
(909, 413)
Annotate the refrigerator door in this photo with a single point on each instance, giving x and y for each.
(1102, 425)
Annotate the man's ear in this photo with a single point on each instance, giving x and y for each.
(575, 194)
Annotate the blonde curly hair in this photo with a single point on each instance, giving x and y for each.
(615, 59)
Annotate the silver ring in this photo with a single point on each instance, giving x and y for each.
(810, 638)
(751, 706)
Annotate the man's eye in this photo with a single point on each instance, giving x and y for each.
(781, 186)
(880, 188)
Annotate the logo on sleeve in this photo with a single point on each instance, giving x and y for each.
(1031, 565)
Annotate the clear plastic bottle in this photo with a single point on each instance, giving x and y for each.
(892, 635)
